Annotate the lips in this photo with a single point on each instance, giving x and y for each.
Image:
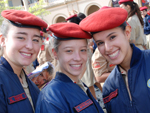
(114, 54)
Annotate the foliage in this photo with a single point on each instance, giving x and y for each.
(3, 6)
(38, 9)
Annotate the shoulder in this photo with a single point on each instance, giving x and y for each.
(53, 90)
(4, 72)
(111, 81)
(146, 54)
(133, 19)
(97, 55)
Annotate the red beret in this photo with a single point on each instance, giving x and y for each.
(104, 19)
(104, 7)
(71, 17)
(143, 8)
(66, 31)
(23, 18)
(148, 12)
(123, 1)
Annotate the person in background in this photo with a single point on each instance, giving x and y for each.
(101, 67)
(66, 93)
(136, 22)
(45, 54)
(146, 19)
(81, 16)
(73, 19)
(128, 85)
(42, 75)
(20, 41)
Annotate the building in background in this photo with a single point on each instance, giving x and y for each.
(61, 9)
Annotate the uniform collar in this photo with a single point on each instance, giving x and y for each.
(62, 77)
(146, 15)
(5, 63)
(136, 56)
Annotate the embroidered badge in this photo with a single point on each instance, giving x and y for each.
(110, 96)
(17, 98)
(111, 65)
(148, 83)
(83, 105)
(42, 47)
(96, 65)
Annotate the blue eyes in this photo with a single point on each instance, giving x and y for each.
(35, 40)
(22, 38)
(83, 50)
(69, 51)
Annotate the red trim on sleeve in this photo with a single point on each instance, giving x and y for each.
(83, 105)
(110, 96)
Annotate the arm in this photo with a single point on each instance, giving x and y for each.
(102, 78)
(44, 106)
(147, 28)
(2, 102)
(99, 65)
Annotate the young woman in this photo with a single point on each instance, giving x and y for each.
(66, 93)
(135, 20)
(127, 88)
(20, 41)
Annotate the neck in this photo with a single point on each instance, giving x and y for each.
(17, 69)
(126, 62)
(72, 77)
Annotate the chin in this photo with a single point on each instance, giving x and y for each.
(75, 74)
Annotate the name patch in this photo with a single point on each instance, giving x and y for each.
(17, 98)
(83, 105)
(110, 96)
(96, 65)
(111, 65)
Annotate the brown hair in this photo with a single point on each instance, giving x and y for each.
(134, 10)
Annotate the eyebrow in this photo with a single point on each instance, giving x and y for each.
(24, 33)
(106, 37)
(72, 47)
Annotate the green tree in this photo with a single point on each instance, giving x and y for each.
(38, 9)
(3, 6)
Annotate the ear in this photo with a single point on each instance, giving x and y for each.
(129, 8)
(54, 53)
(2, 40)
(128, 32)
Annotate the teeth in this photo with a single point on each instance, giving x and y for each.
(26, 54)
(75, 65)
(114, 54)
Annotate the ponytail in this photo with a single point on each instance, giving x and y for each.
(134, 10)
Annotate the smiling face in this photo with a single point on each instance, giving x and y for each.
(21, 46)
(72, 57)
(114, 45)
(41, 79)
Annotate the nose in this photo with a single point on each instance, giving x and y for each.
(108, 47)
(29, 44)
(77, 56)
